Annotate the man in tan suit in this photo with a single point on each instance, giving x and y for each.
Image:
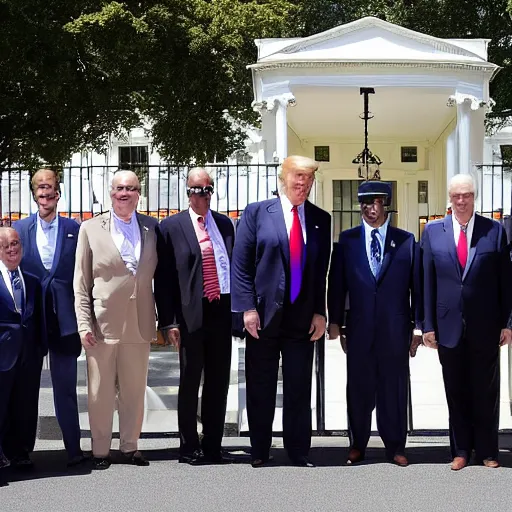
(115, 262)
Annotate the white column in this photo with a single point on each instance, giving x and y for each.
(281, 129)
(464, 137)
(268, 133)
(452, 163)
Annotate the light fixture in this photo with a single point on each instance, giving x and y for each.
(368, 163)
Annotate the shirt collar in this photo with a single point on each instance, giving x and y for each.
(194, 216)
(48, 225)
(382, 229)
(3, 268)
(457, 224)
(116, 217)
(287, 205)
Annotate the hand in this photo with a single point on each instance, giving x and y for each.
(333, 332)
(415, 343)
(252, 323)
(343, 343)
(505, 337)
(317, 329)
(173, 337)
(429, 340)
(88, 340)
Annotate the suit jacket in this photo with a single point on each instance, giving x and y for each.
(20, 334)
(104, 286)
(179, 275)
(475, 302)
(261, 262)
(384, 309)
(57, 284)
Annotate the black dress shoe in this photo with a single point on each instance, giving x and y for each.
(4, 461)
(218, 458)
(302, 461)
(76, 460)
(195, 458)
(258, 463)
(134, 458)
(23, 463)
(100, 463)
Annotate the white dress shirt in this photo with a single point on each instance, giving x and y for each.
(7, 281)
(469, 230)
(288, 216)
(381, 237)
(46, 239)
(119, 238)
(219, 249)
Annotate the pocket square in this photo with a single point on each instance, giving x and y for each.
(70, 235)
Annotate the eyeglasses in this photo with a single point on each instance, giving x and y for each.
(11, 245)
(200, 191)
(465, 196)
(128, 188)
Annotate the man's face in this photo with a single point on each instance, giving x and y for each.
(46, 194)
(10, 249)
(462, 198)
(200, 203)
(125, 194)
(373, 211)
(297, 184)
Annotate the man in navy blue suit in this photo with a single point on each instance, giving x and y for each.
(49, 243)
(467, 303)
(376, 266)
(279, 271)
(21, 354)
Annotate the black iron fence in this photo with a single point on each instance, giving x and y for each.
(85, 191)
(494, 197)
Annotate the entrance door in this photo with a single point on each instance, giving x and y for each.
(346, 212)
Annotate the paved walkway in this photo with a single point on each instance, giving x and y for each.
(429, 404)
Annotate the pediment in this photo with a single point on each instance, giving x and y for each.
(372, 39)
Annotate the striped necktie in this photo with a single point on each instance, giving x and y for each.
(211, 286)
(17, 290)
(376, 254)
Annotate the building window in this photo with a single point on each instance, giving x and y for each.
(423, 192)
(409, 153)
(322, 153)
(133, 157)
(506, 154)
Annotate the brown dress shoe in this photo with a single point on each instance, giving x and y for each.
(458, 463)
(354, 456)
(491, 463)
(401, 460)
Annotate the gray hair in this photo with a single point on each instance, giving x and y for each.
(462, 179)
(198, 171)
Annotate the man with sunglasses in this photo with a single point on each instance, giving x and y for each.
(115, 264)
(375, 266)
(192, 290)
(49, 246)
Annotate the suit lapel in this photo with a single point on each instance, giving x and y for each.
(61, 232)
(450, 242)
(29, 295)
(311, 236)
(389, 252)
(5, 295)
(475, 237)
(105, 226)
(222, 227)
(363, 255)
(276, 213)
(144, 230)
(189, 232)
(32, 236)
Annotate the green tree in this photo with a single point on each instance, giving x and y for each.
(76, 72)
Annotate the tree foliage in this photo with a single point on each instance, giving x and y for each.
(75, 72)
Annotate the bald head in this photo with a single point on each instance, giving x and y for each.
(10, 248)
(125, 194)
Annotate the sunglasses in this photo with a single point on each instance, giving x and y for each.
(200, 191)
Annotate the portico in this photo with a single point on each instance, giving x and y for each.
(428, 107)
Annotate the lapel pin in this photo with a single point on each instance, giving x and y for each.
(392, 243)
(316, 227)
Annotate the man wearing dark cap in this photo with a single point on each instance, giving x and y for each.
(375, 267)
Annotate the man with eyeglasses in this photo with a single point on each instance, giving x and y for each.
(21, 354)
(467, 303)
(192, 289)
(115, 264)
(375, 266)
(49, 246)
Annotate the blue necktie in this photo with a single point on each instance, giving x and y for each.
(375, 253)
(17, 290)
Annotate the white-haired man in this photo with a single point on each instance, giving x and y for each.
(279, 272)
(467, 303)
(115, 263)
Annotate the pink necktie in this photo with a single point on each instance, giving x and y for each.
(211, 285)
(462, 248)
(296, 254)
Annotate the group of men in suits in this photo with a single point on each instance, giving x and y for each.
(63, 287)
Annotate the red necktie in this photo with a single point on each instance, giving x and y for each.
(211, 285)
(462, 247)
(296, 252)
